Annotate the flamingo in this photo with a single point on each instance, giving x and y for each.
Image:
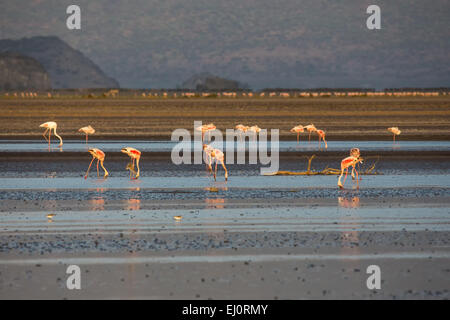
(134, 154)
(242, 130)
(311, 128)
(208, 150)
(355, 153)
(298, 129)
(254, 129)
(206, 128)
(395, 131)
(87, 130)
(100, 156)
(218, 156)
(241, 127)
(49, 126)
(350, 161)
(321, 135)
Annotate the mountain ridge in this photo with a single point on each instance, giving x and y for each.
(67, 67)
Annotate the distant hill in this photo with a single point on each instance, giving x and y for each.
(208, 81)
(20, 72)
(67, 67)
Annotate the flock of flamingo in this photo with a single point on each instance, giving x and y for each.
(212, 154)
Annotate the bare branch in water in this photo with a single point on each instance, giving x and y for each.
(326, 171)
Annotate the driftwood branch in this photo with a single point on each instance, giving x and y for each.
(326, 171)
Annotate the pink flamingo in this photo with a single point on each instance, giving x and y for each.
(206, 128)
(355, 153)
(321, 135)
(134, 154)
(297, 130)
(311, 128)
(208, 160)
(242, 130)
(87, 130)
(395, 131)
(100, 156)
(350, 161)
(218, 156)
(254, 129)
(49, 126)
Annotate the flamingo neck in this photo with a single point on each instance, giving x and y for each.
(57, 135)
(106, 172)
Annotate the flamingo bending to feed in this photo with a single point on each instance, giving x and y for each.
(242, 129)
(297, 130)
(321, 135)
(356, 153)
(216, 155)
(206, 128)
(310, 128)
(134, 154)
(395, 131)
(350, 162)
(254, 129)
(87, 130)
(208, 150)
(100, 156)
(49, 126)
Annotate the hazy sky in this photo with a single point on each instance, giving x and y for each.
(285, 43)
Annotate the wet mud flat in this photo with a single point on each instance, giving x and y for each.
(177, 234)
(260, 246)
(342, 118)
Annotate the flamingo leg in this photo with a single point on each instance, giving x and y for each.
(137, 164)
(215, 171)
(359, 168)
(357, 180)
(346, 172)
(206, 162)
(298, 136)
(340, 185)
(130, 174)
(49, 136)
(98, 174)
(87, 172)
(210, 167)
(86, 138)
(45, 137)
(226, 171)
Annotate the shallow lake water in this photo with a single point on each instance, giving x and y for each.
(166, 146)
